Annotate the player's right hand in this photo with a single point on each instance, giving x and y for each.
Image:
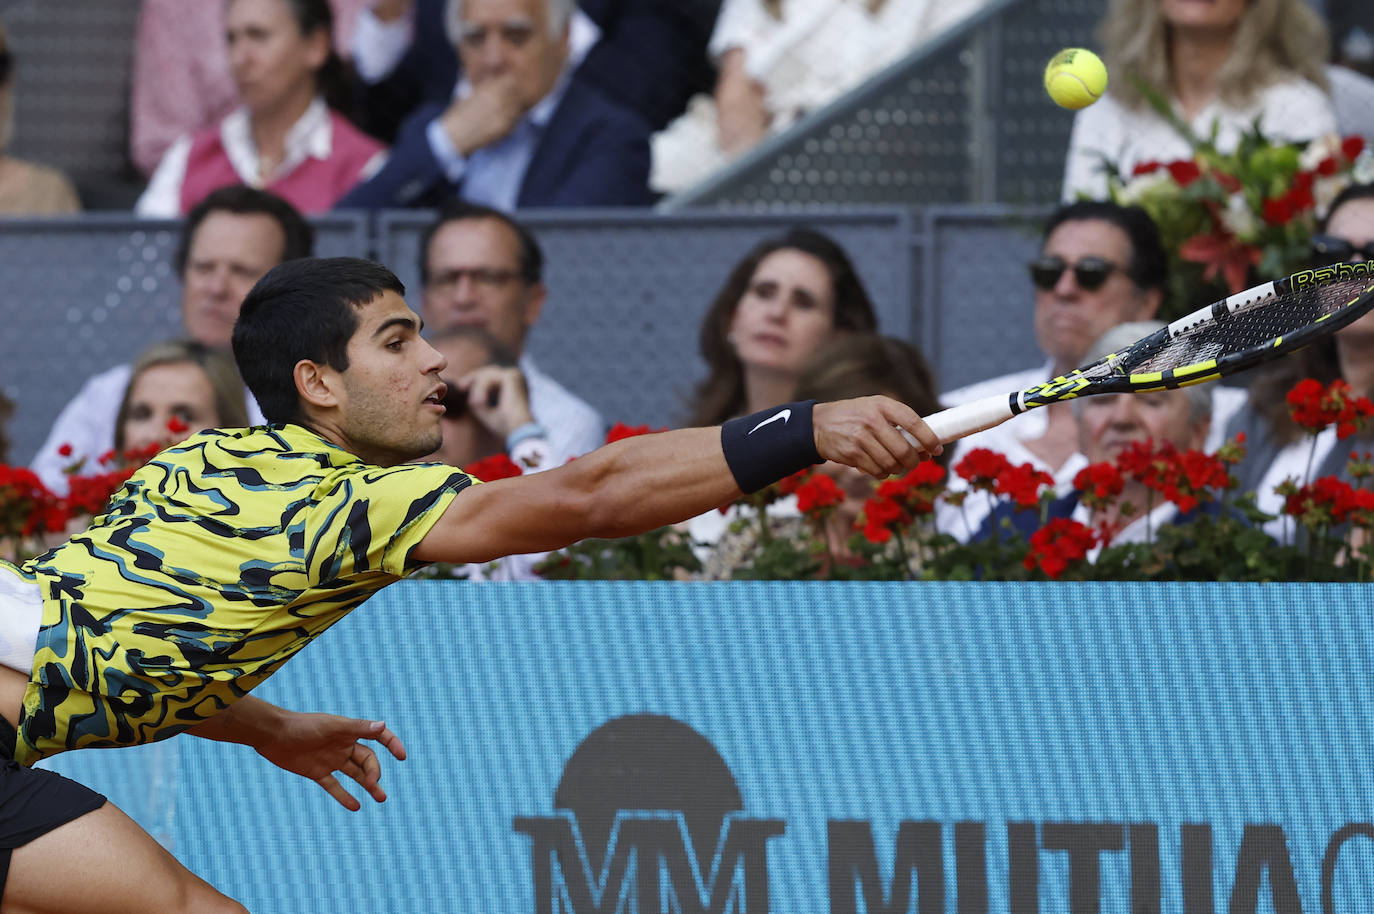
(867, 434)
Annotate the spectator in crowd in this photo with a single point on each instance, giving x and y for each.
(488, 416)
(1107, 425)
(518, 131)
(181, 81)
(488, 402)
(1276, 448)
(647, 54)
(1099, 265)
(1224, 65)
(779, 60)
(777, 306)
(175, 388)
(481, 268)
(26, 188)
(288, 134)
(228, 241)
(848, 365)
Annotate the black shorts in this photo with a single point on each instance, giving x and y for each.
(33, 802)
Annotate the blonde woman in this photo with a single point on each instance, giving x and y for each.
(26, 189)
(1222, 65)
(178, 387)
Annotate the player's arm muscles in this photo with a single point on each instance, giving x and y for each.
(624, 488)
(642, 483)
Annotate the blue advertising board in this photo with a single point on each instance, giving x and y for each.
(808, 747)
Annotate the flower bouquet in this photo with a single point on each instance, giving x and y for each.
(1228, 219)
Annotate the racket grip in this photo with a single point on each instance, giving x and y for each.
(957, 421)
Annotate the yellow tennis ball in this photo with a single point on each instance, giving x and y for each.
(1075, 78)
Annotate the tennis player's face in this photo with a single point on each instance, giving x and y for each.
(390, 405)
(1354, 222)
(1069, 317)
(229, 252)
(1107, 424)
(786, 312)
(474, 279)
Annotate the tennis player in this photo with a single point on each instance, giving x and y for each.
(229, 552)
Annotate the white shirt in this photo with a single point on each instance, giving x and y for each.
(87, 424)
(1291, 111)
(574, 427)
(312, 136)
(1352, 95)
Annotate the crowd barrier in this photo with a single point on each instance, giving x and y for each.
(799, 748)
(628, 289)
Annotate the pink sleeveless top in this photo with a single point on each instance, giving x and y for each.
(313, 186)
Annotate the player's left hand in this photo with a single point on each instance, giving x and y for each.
(315, 746)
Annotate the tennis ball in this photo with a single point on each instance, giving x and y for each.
(1075, 78)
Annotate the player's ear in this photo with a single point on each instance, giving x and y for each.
(316, 384)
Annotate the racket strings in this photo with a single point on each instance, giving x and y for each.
(1251, 328)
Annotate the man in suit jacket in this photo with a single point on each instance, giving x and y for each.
(519, 132)
(648, 54)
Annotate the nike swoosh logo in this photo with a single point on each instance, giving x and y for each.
(784, 415)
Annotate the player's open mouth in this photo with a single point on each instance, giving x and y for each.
(436, 397)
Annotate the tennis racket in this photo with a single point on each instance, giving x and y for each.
(1226, 337)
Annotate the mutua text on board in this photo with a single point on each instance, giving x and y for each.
(650, 866)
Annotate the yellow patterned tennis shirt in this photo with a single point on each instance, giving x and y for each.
(211, 567)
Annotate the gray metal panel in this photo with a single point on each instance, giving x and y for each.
(980, 321)
(963, 118)
(95, 289)
(72, 63)
(1033, 132)
(628, 291)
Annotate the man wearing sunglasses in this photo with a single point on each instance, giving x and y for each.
(1099, 265)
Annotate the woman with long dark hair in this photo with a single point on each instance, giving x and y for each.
(779, 303)
(289, 135)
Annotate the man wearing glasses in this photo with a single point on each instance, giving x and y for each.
(519, 131)
(480, 267)
(1099, 265)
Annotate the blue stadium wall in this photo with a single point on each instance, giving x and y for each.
(636, 748)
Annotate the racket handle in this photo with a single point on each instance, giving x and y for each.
(957, 421)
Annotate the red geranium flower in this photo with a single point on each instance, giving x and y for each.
(497, 466)
(818, 494)
(620, 430)
(1023, 484)
(1054, 546)
(981, 467)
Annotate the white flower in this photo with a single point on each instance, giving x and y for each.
(1363, 170)
(1239, 219)
(1325, 191)
(1140, 186)
(1319, 150)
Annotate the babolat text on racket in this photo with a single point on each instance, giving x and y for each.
(1229, 336)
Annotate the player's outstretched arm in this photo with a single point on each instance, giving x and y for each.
(312, 745)
(642, 483)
